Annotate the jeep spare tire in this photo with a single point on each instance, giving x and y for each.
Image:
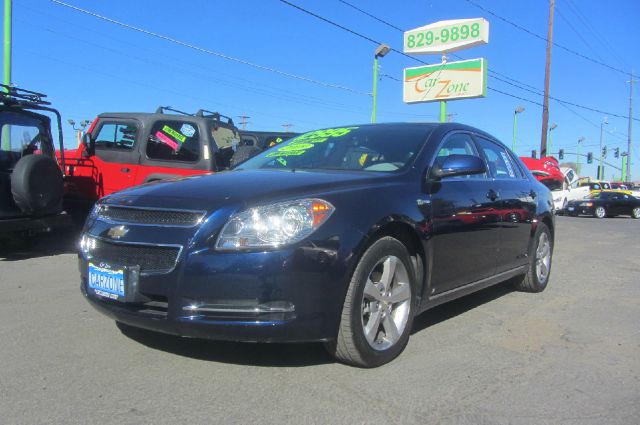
(36, 185)
(243, 153)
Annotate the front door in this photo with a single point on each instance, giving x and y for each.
(464, 223)
(116, 154)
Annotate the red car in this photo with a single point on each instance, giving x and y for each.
(546, 170)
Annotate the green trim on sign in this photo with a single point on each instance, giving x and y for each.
(475, 64)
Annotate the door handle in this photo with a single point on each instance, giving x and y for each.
(125, 169)
(533, 194)
(492, 195)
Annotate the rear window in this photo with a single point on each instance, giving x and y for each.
(174, 141)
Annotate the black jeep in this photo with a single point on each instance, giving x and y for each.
(31, 178)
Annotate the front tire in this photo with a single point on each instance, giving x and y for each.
(635, 213)
(378, 309)
(539, 269)
(600, 212)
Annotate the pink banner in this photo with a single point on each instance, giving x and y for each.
(165, 139)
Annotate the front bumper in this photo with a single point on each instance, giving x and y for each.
(289, 295)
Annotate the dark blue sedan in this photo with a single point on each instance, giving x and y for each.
(340, 235)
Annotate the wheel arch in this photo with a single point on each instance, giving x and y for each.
(404, 230)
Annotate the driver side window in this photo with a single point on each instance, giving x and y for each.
(458, 144)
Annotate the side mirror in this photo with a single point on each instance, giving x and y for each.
(89, 144)
(458, 165)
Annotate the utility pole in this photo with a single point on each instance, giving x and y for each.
(547, 76)
(6, 79)
(631, 81)
(287, 127)
(243, 121)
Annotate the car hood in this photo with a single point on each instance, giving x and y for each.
(241, 188)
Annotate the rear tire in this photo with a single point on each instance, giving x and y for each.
(378, 309)
(539, 270)
(37, 186)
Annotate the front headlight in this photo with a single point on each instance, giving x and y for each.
(274, 225)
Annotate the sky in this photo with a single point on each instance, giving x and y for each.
(277, 64)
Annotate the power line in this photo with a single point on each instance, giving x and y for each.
(568, 22)
(535, 91)
(520, 27)
(208, 51)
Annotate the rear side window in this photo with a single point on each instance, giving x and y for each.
(174, 141)
(499, 162)
(116, 135)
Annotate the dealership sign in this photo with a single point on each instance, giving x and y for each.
(446, 81)
(447, 36)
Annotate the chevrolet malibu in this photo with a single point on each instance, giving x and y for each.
(340, 235)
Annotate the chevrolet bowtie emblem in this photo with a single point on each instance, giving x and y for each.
(117, 232)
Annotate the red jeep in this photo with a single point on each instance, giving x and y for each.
(121, 150)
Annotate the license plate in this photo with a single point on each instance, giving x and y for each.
(106, 282)
(570, 208)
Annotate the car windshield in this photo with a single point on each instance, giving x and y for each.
(385, 148)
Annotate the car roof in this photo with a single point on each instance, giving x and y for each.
(155, 116)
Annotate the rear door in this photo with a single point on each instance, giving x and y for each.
(516, 204)
(465, 222)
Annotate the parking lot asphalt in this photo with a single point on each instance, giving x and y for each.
(570, 355)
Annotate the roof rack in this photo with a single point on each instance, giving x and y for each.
(15, 96)
(215, 115)
(161, 110)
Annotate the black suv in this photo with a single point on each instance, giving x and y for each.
(31, 178)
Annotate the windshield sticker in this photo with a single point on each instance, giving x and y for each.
(187, 130)
(363, 159)
(282, 161)
(167, 141)
(171, 132)
(300, 144)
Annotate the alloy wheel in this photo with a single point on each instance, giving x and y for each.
(600, 212)
(636, 212)
(386, 303)
(543, 257)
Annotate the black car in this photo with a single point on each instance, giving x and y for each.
(31, 178)
(606, 204)
(350, 234)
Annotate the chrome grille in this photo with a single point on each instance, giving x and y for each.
(150, 216)
(150, 258)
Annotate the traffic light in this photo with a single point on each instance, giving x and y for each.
(604, 152)
(534, 153)
(616, 153)
(589, 158)
(561, 154)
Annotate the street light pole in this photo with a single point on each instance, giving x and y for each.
(551, 128)
(380, 51)
(6, 78)
(600, 170)
(518, 110)
(580, 140)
